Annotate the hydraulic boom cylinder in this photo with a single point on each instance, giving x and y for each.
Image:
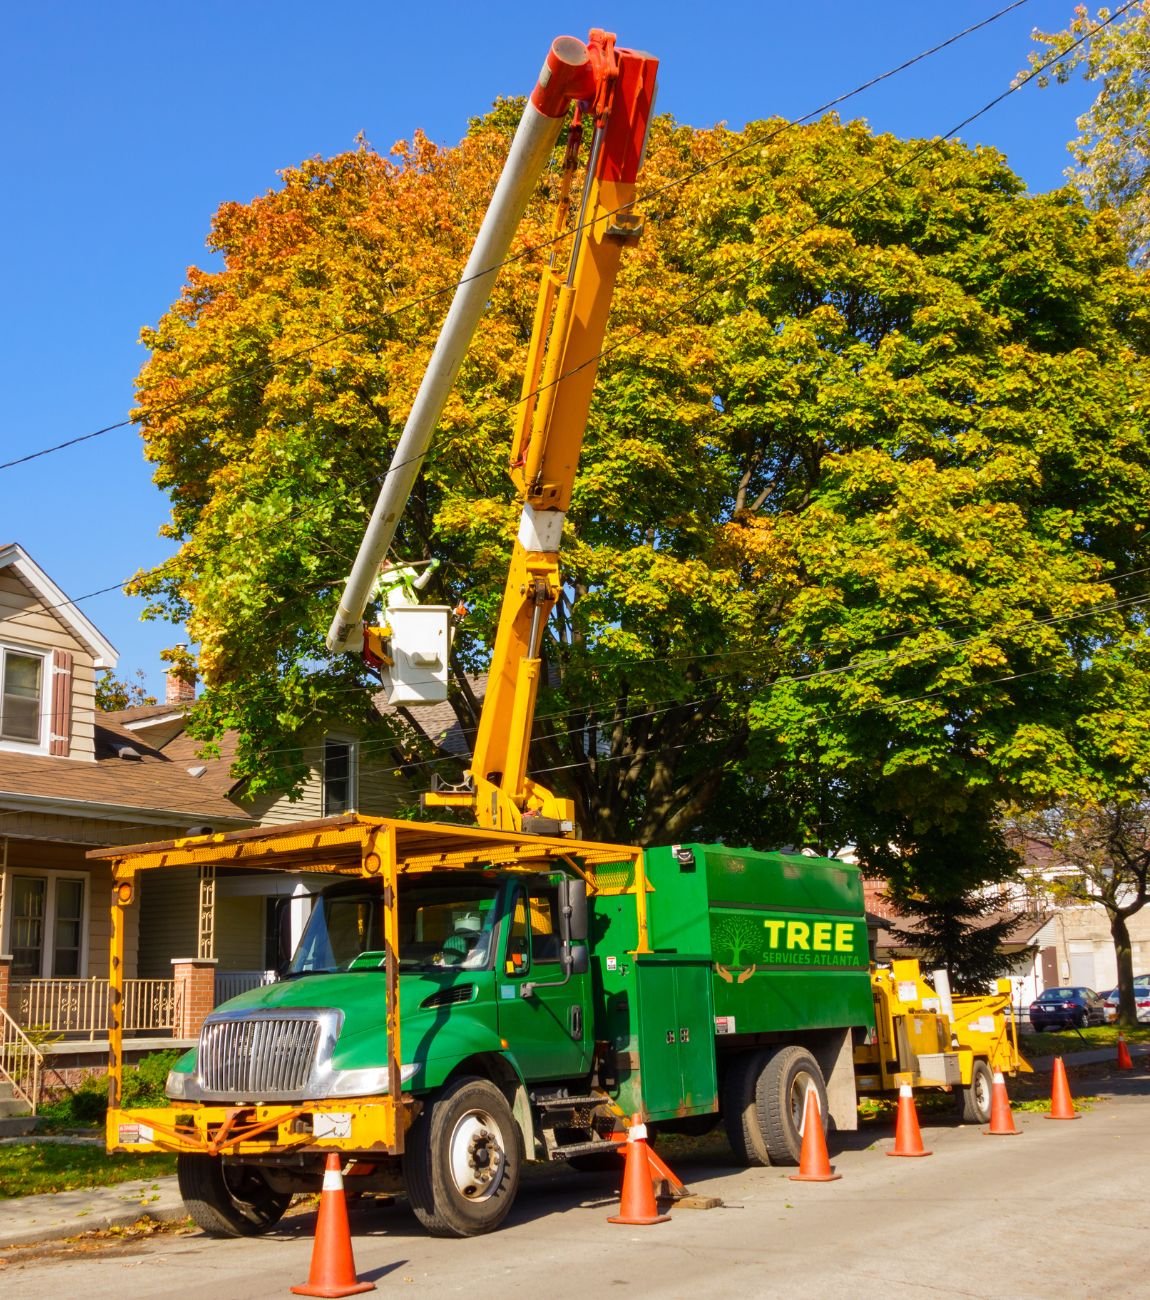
(567, 75)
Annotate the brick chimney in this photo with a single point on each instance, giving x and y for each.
(176, 689)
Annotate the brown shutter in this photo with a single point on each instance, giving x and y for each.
(60, 740)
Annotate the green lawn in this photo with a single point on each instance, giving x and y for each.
(1066, 1041)
(27, 1168)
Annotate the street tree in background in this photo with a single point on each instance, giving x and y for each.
(857, 547)
(1097, 853)
(114, 693)
(1112, 153)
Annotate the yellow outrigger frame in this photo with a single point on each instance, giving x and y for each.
(349, 845)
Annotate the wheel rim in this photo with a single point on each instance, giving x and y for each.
(982, 1093)
(476, 1156)
(801, 1084)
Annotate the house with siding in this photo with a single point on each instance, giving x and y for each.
(73, 778)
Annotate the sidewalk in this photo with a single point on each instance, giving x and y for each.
(62, 1214)
(1045, 1064)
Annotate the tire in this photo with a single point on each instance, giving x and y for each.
(1080, 1021)
(461, 1166)
(740, 1110)
(227, 1199)
(975, 1099)
(780, 1097)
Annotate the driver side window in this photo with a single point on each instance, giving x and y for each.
(534, 938)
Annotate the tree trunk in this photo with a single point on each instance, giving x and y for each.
(1127, 1011)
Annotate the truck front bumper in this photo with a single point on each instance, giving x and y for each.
(376, 1125)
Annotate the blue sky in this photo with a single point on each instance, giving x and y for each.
(127, 124)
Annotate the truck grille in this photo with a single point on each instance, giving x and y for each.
(262, 1056)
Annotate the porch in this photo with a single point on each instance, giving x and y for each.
(54, 1032)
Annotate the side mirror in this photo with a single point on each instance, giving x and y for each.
(580, 960)
(573, 908)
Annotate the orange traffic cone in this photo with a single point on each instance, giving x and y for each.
(637, 1205)
(1001, 1116)
(814, 1163)
(1124, 1061)
(1061, 1102)
(332, 1266)
(907, 1137)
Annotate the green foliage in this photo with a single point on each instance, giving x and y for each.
(857, 548)
(1112, 153)
(87, 1103)
(949, 935)
(1096, 852)
(114, 693)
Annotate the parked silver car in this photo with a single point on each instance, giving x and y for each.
(1141, 1000)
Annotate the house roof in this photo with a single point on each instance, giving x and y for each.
(14, 556)
(1027, 926)
(141, 716)
(217, 774)
(150, 786)
(438, 721)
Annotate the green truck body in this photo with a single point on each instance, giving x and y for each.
(462, 999)
(745, 947)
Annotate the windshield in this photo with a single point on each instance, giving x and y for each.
(447, 924)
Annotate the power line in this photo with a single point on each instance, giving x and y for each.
(755, 142)
(833, 210)
(654, 708)
(846, 202)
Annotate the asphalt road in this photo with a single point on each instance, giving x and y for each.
(1062, 1210)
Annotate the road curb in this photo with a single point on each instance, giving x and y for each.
(52, 1215)
(1097, 1056)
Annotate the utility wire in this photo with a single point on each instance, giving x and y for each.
(654, 708)
(530, 250)
(845, 202)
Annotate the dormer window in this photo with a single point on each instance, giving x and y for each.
(21, 696)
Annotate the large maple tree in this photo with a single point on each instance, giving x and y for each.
(858, 539)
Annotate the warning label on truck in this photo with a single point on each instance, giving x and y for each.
(130, 1134)
(724, 1024)
(332, 1124)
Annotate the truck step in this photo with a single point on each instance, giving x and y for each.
(582, 1149)
(568, 1103)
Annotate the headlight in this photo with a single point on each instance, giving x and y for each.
(366, 1083)
(177, 1084)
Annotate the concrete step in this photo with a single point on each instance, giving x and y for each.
(11, 1106)
(17, 1126)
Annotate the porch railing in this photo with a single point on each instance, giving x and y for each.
(231, 983)
(79, 1008)
(21, 1063)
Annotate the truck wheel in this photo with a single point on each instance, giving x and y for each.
(780, 1098)
(226, 1199)
(461, 1166)
(740, 1111)
(975, 1099)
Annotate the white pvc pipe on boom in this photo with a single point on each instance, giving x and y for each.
(530, 151)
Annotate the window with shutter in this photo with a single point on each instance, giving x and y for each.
(21, 696)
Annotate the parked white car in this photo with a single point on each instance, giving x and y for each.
(1141, 1000)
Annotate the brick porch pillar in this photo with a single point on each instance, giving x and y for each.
(195, 993)
(5, 971)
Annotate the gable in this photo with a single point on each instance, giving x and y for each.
(34, 611)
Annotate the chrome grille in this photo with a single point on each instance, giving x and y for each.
(263, 1056)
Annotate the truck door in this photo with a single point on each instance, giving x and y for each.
(546, 1027)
